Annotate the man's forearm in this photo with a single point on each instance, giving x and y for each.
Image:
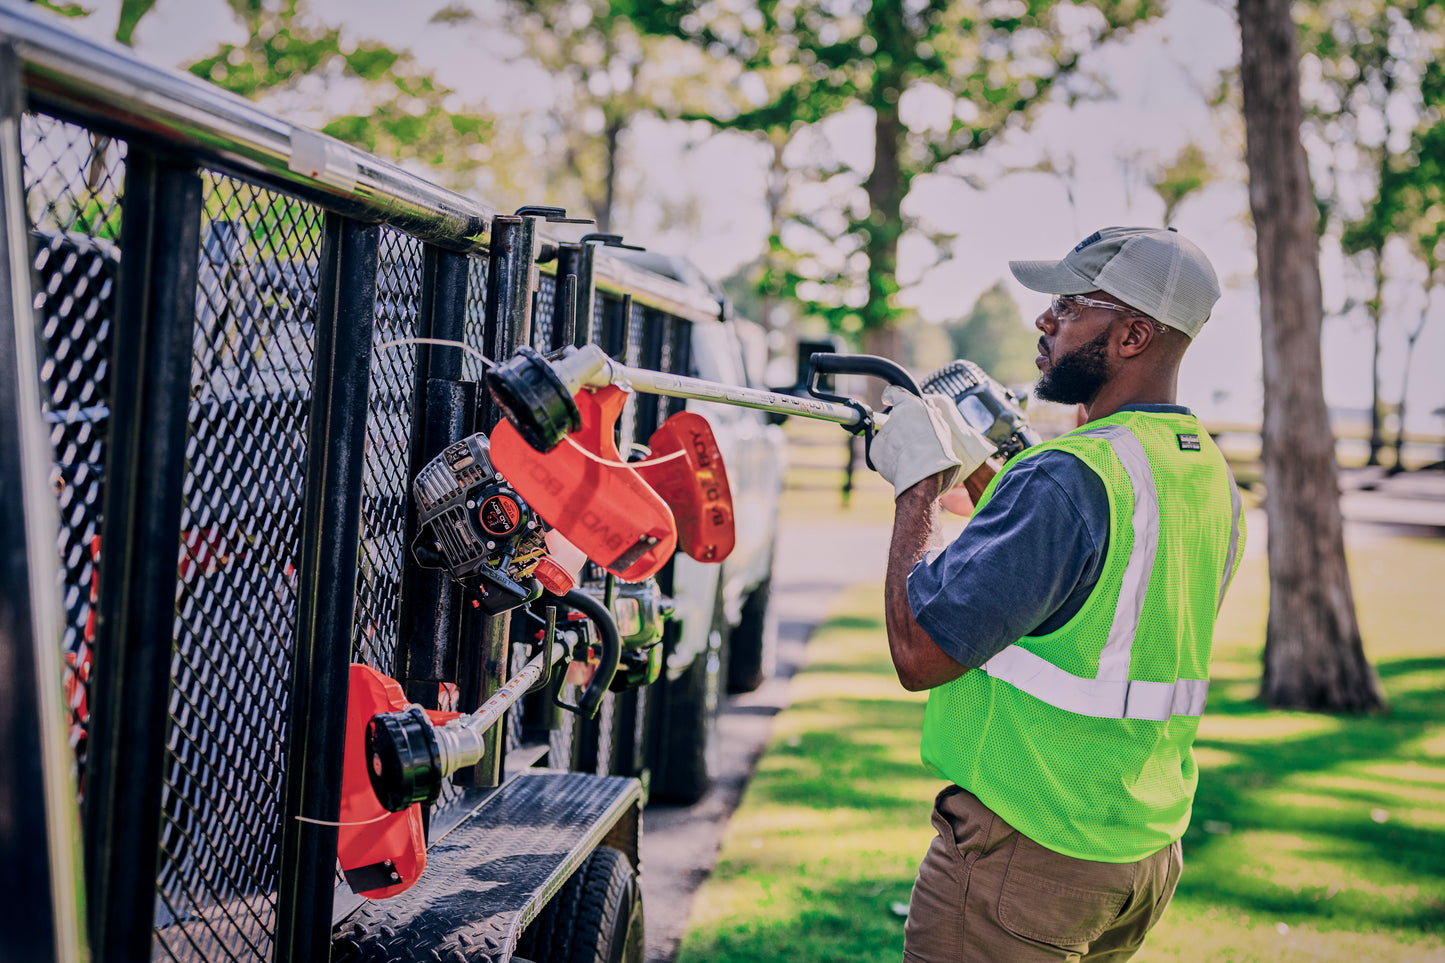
(918, 660)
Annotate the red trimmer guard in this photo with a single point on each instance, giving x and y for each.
(370, 837)
(694, 486)
(606, 510)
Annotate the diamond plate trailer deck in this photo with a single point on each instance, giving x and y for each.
(488, 877)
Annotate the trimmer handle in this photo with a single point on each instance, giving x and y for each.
(610, 642)
(863, 364)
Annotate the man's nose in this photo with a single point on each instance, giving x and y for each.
(1045, 322)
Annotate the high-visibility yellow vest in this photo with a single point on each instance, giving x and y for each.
(1082, 739)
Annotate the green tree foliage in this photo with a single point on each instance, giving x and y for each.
(995, 337)
(1189, 173)
(1411, 206)
(605, 76)
(1373, 62)
(803, 63)
(399, 109)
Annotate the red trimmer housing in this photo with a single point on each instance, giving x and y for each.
(628, 518)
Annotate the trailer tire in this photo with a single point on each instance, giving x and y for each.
(595, 918)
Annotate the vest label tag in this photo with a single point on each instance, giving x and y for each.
(1188, 442)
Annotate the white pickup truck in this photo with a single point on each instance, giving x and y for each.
(720, 638)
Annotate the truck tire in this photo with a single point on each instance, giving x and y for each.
(595, 918)
(688, 740)
(753, 644)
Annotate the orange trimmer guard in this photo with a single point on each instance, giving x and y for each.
(381, 853)
(601, 505)
(695, 486)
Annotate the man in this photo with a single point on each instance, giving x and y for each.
(1065, 636)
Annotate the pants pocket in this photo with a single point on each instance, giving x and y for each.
(1056, 899)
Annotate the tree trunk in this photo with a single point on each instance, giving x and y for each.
(1410, 340)
(886, 188)
(1313, 656)
(611, 145)
(1377, 407)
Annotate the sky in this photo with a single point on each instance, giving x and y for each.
(1158, 74)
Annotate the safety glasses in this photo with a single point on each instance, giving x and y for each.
(1066, 307)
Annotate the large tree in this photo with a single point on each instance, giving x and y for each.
(804, 63)
(1313, 654)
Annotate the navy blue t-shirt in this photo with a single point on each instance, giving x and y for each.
(1024, 564)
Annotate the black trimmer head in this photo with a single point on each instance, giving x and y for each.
(403, 759)
(534, 399)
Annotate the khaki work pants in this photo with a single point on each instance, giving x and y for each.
(986, 893)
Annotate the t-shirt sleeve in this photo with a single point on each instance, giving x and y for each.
(1023, 565)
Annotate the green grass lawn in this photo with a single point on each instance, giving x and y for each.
(1313, 837)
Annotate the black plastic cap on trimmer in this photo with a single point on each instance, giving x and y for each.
(403, 759)
(534, 399)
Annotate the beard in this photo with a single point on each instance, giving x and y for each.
(1075, 378)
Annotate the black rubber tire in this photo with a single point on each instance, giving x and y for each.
(689, 741)
(595, 918)
(753, 644)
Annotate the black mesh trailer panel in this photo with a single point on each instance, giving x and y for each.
(73, 185)
(250, 339)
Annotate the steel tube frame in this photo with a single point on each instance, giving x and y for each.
(485, 649)
(38, 838)
(141, 511)
(443, 409)
(330, 533)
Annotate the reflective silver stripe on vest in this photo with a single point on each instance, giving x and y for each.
(1104, 698)
(1111, 694)
(1114, 659)
(1236, 512)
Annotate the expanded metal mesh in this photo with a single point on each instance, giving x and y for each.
(475, 319)
(236, 602)
(386, 486)
(544, 313)
(73, 182)
(631, 355)
(594, 333)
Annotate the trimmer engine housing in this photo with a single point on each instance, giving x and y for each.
(473, 523)
(986, 405)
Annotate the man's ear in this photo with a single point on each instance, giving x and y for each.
(1139, 333)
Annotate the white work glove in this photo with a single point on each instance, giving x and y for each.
(925, 436)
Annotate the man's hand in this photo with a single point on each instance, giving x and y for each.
(924, 437)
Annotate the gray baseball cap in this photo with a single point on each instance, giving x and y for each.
(1159, 272)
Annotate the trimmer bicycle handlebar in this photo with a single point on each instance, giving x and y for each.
(859, 364)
